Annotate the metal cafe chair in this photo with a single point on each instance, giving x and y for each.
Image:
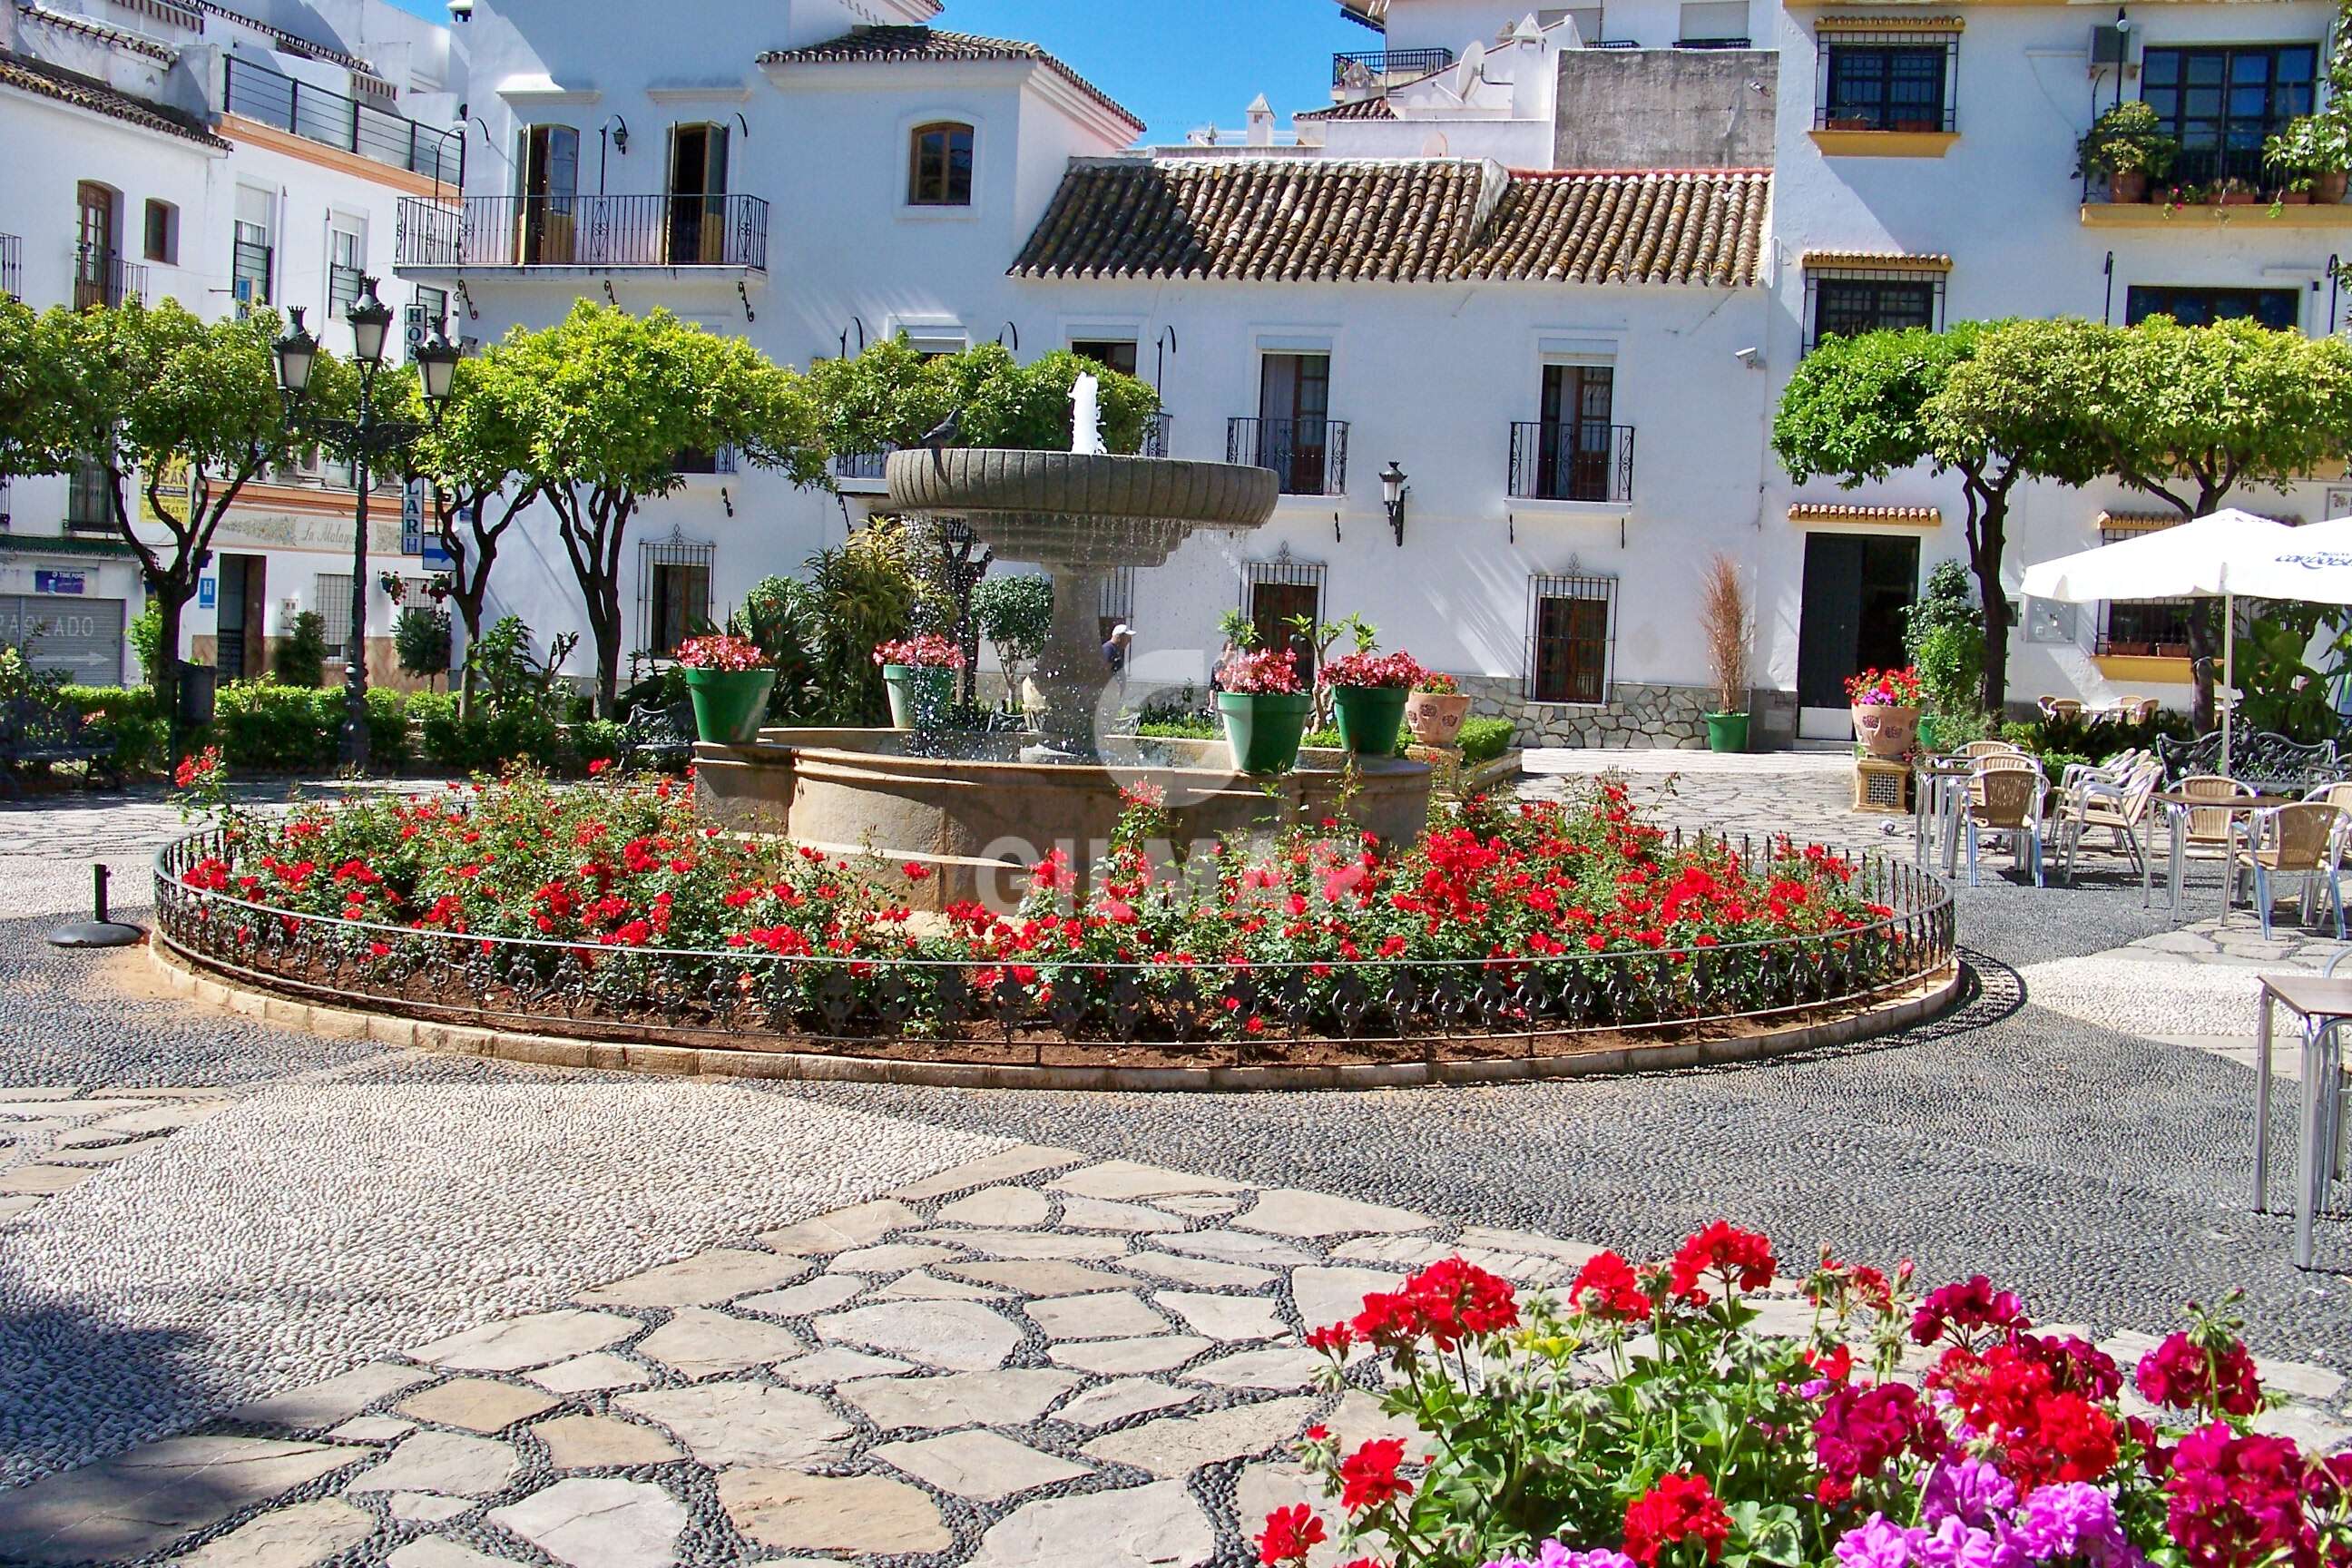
(2292, 841)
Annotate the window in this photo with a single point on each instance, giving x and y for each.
(2220, 102)
(1841, 303)
(163, 232)
(1294, 433)
(939, 166)
(1275, 592)
(2274, 308)
(723, 461)
(346, 261)
(1111, 353)
(698, 194)
(98, 261)
(1568, 455)
(253, 252)
(1893, 83)
(430, 309)
(90, 498)
(1570, 629)
(1714, 25)
(549, 175)
(2139, 628)
(673, 591)
(331, 595)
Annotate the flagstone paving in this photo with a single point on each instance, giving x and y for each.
(652, 1422)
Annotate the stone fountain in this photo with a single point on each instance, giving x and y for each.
(971, 812)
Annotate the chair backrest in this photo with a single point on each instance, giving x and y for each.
(2011, 761)
(1989, 749)
(2142, 710)
(2211, 826)
(2009, 797)
(2338, 795)
(2301, 835)
(2064, 707)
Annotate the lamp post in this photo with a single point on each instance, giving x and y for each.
(368, 437)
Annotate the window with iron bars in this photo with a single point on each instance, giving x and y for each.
(331, 595)
(2139, 628)
(2221, 102)
(1845, 302)
(1571, 638)
(1274, 592)
(89, 499)
(673, 591)
(1886, 81)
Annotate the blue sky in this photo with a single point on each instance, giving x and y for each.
(1177, 63)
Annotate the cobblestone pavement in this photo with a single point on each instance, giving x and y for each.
(1030, 1359)
(2080, 1129)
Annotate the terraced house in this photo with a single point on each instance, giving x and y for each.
(1540, 275)
(227, 158)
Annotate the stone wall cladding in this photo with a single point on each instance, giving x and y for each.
(1640, 715)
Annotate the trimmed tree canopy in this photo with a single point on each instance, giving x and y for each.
(890, 396)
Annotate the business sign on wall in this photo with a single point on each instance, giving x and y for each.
(47, 582)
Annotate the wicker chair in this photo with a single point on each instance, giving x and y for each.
(2119, 804)
(2060, 706)
(1989, 749)
(2135, 709)
(2009, 804)
(2298, 840)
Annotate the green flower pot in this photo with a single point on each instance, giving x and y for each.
(1726, 731)
(1263, 727)
(920, 693)
(1372, 718)
(729, 703)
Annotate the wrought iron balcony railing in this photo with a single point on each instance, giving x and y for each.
(860, 465)
(1573, 459)
(1309, 457)
(12, 266)
(314, 113)
(585, 231)
(1157, 436)
(1385, 68)
(106, 277)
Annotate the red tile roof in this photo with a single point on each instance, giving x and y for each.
(898, 44)
(1363, 109)
(46, 81)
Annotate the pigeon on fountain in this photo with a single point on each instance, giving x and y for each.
(942, 434)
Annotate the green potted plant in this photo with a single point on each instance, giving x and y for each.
(919, 674)
(1435, 710)
(727, 679)
(2128, 147)
(1725, 626)
(1264, 708)
(1367, 692)
(2311, 153)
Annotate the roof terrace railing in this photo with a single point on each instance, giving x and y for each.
(315, 114)
(585, 231)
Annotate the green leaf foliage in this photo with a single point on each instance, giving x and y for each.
(890, 396)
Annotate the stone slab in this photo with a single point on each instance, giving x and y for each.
(44, 1181)
(1125, 1181)
(1117, 1358)
(961, 1336)
(1294, 1212)
(1176, 1445)
(1019, 1207)
(303, 1536)
(719, 1275)
(447, 1462)
(1010, 1397)
(1325, 1296)
(1154, 1526)
(1237, 1246)
(1279, 1366)
(596, 1373)
(139, 1502)
(1005, 1165)
(1104, 1315)
(1198, 1270)
(600, 1523)
(821, 1294)
(428, 1508)
(823, 1368)
(872, 1516)
(1031, 1244)
(1040, 1277)
(985, 1465)
(860, 1224)
(744, 1423)
(698, 1342)
(1223, 1316)
(372, 1430)
(1101, 1214)
(601, 1442)
(479, 1404)
(338, 1399)
(1115, 1402)
(436, 1552)
(924, 1285)
(518, 1344)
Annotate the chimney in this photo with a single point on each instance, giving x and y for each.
(1260, 115)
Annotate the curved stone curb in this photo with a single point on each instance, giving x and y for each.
(1928, 998)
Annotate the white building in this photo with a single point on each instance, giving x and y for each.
(223, 158)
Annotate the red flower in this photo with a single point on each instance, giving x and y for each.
(1861, 1429)
(1606, 1287)
(2183, 1375)
(1368, 1476)
(2237, 1501)
(1955, 1310)
(598, 765)
(1288, 1533)
(1680, 1507)
(1741, 1259)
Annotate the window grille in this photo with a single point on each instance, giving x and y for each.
(1571, 638)
(331, 595)
(1894, 81)
(673, 590)
(1273, 591)
(2221, 102)
(1843, 301)
(2276, 309)
(1117, 601)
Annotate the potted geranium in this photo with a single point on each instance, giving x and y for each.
(1724, 627)
(1367, 695)
(1886, 705)
(1264, 708)
(2128, 146)
(919, 674)
(2311, 153)
(1435, 710)
(728, 679)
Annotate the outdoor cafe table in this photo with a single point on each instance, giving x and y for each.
(2324, 1006)
(2177, 806)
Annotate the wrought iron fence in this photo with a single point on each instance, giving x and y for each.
(1157, 436)
(12, 266)
(1571, 460)
(955, 1009)
(105, 277)
(1309, 457)
(861, 464)
(1381, 67)
(585, 231)
(315, 114)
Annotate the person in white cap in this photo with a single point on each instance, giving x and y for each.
(1122, 636)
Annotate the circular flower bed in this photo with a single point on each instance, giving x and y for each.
(610, 910)
(1638, 1419)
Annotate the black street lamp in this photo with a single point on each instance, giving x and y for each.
(369, 436)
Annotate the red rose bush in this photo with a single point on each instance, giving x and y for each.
(1636, 1419)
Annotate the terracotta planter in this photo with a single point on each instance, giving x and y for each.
(1435, 717)
(2127, 185)
(2233, 199)
(2328, 186)
(2295, 198)
(1884, 730)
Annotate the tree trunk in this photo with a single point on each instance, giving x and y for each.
(1984, 559)
(608, 665)
(469, 615)
(2201, 653)
(169, 606)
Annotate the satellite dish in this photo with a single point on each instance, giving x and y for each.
(1472, 70)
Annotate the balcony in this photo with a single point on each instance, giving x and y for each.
(12, 266)
(106, 277)
(1308, 456)
(1576, 459)
(1372, 71)
(1157, 436)
(589, 231)
(861, 466)
(273, 98)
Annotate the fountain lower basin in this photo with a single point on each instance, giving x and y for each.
(974, 824)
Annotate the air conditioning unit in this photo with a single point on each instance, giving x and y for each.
(2111, 43)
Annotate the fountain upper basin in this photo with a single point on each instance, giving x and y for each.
(1079, 509)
